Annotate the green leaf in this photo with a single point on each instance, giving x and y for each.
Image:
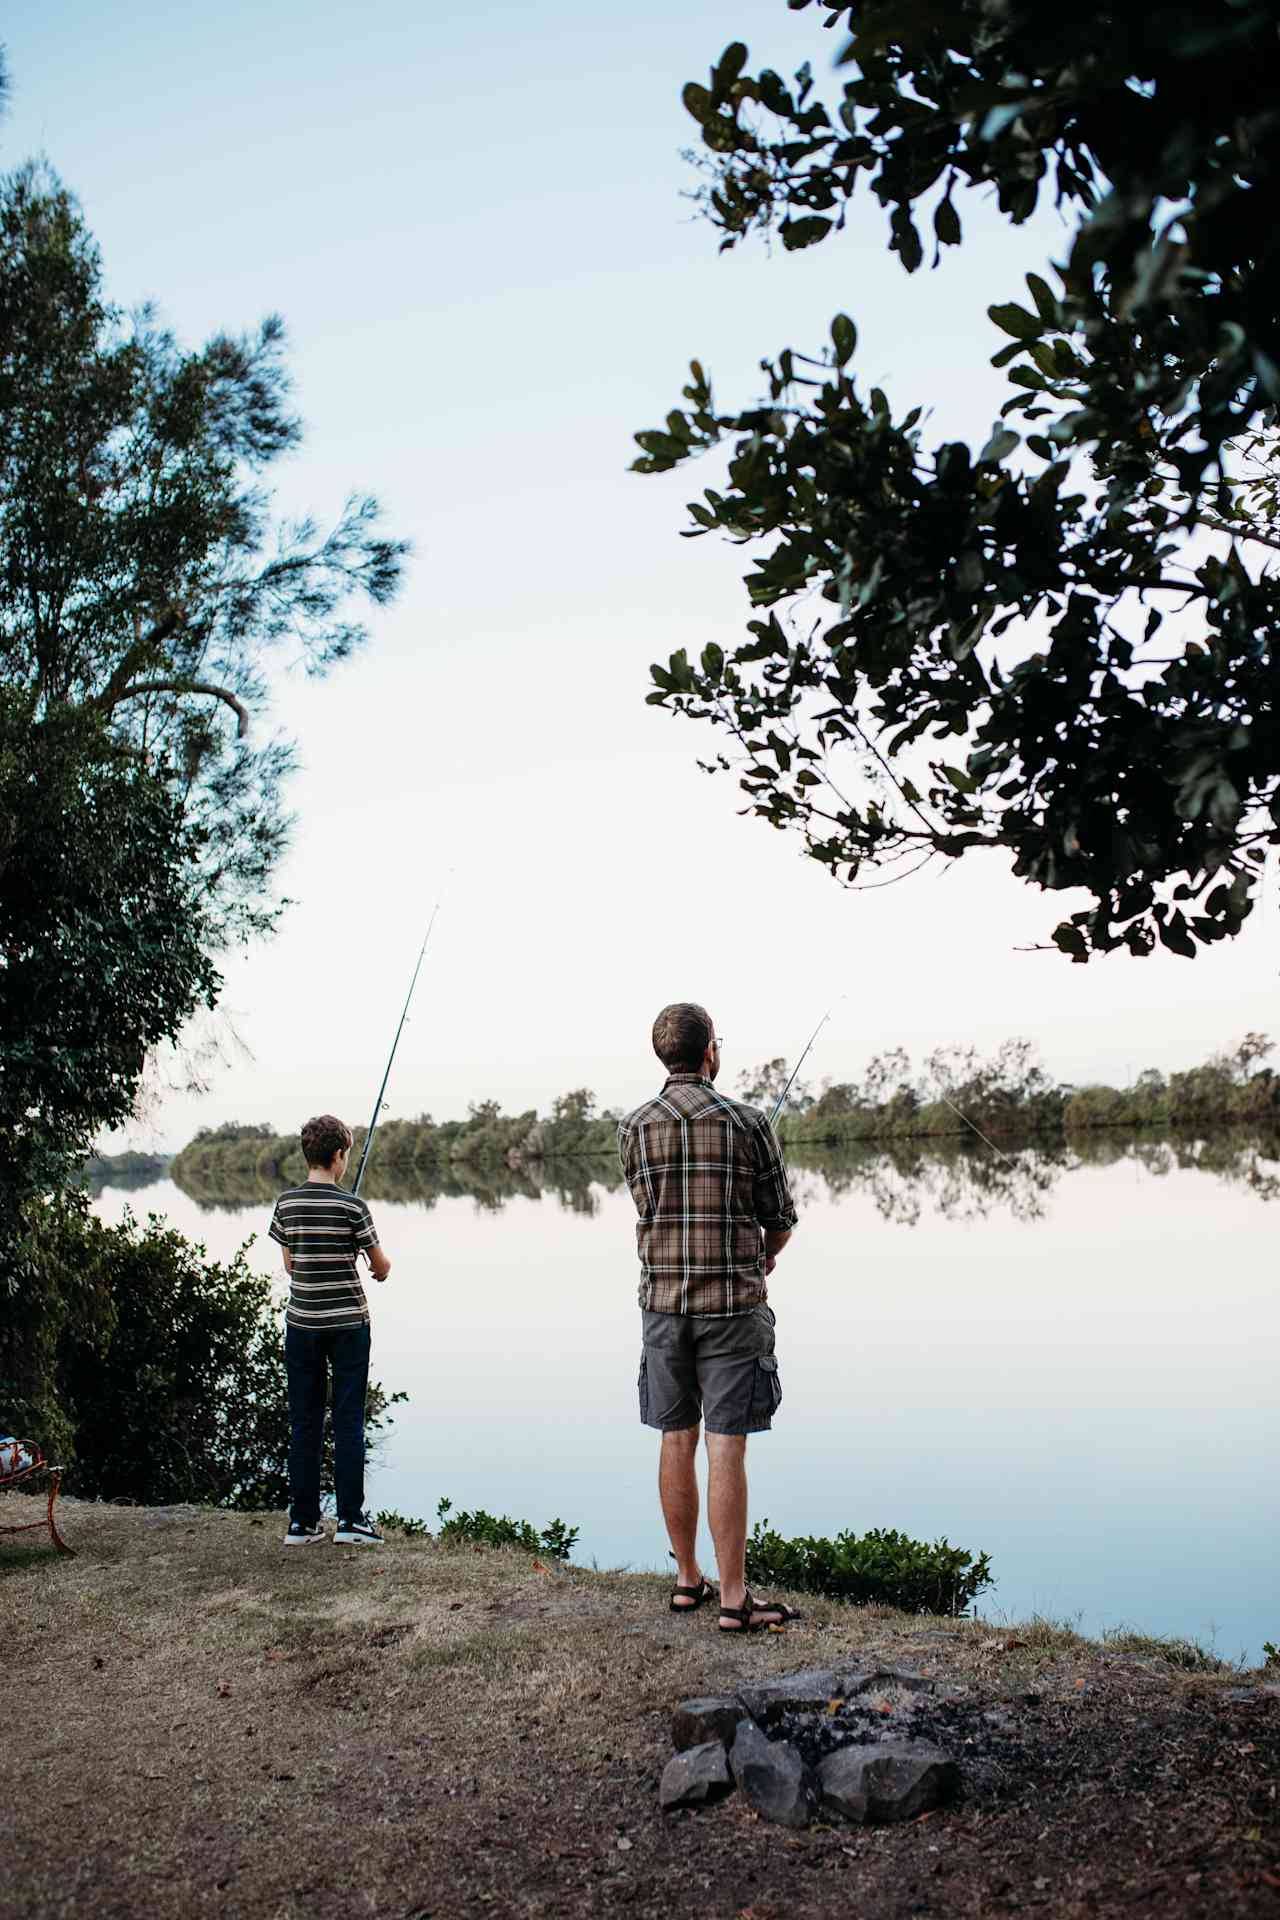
(805, 232)
(1014, 319)
(730, 65)
(844, 336)
(1044, 297)
(946, 223)
(697, 101)
(1001, 444)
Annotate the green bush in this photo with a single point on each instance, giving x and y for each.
(881, 1566)
(495, 1530)
(155, 1374)
(392, 1522)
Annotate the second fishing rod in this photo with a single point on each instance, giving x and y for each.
(400, 1026)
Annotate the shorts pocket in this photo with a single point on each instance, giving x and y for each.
(642, 1386)
(766, 1392)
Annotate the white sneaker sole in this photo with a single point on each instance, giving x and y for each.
(305, 1539)
(355, 1540)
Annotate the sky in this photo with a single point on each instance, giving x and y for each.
(476, 225)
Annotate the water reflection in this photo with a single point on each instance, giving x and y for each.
(1045, 1356)
(905, 1180)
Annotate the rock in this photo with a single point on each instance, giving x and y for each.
(894, 1780)
(909, 1682)
(807, 1692)
(773, 1777)
(714, 1717)
(694, 1777)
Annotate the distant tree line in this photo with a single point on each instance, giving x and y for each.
(1010, 1094)
(236, 1156)
(956, 1091)
(123, 1169)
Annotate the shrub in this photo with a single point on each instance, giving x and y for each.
(489, 1530)
(156, 1373)
(882, 1566)
(392, 1522)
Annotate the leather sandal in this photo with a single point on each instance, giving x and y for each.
(692, 1596)
(751, 1605)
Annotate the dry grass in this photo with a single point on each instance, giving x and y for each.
(212, 1724)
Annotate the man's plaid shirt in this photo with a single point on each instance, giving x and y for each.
(706, 1175)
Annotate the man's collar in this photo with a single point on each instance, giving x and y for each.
(687, 1080)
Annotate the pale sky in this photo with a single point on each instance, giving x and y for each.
(472, 223)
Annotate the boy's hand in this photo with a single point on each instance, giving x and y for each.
(378, 1262)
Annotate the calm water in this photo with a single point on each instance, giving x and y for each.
(1071, 1366)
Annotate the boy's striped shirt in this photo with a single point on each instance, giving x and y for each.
(324, 1229)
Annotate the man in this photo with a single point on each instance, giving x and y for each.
(715, 1212)
(322, 1230)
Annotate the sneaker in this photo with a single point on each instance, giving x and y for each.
(300, 1536)
(359, 1532)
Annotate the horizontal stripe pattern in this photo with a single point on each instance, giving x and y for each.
(707, 1177)
(324, 1229)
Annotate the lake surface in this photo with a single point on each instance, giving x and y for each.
(1069, 1364)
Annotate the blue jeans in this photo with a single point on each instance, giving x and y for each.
(308, 1358)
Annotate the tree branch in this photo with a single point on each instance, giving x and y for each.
(137, 653)
(108, 700)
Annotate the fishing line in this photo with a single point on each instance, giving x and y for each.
(978, 1130)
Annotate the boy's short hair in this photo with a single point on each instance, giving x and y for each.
(682, 1033)
(322, 1138)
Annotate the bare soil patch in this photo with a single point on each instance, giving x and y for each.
(198, 1721)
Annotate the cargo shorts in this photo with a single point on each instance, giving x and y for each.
(720, 1369)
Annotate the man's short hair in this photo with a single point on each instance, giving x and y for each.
(682, 1033)
(322, 1138)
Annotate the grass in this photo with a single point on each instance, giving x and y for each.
(466, 1729)
(1187, 1655)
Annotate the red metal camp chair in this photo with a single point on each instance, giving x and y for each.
(20, 1463)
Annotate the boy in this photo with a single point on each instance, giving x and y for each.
(321, 1230)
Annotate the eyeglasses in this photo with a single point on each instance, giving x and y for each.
(717, 1041)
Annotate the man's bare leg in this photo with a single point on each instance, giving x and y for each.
(727, 1514)
(678, 1492)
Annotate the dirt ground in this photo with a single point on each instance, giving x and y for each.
(199, 1722)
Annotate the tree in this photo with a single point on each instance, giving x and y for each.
(1083, 607)
(144, 584)
(103, 949)
(762, 1086)
(143, 576)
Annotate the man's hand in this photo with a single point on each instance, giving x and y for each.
(774, 1242)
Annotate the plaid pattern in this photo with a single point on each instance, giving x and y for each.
(324, 1229)
(706, 1175)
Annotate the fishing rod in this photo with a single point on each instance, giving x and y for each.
(781, 1100)
(377, 1105)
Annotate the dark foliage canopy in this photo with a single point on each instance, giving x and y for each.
(143, 574)
(146, 586)
(1060, 643)
(155, 1373)
(103, 950)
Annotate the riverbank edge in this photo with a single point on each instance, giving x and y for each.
(493, 1727)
